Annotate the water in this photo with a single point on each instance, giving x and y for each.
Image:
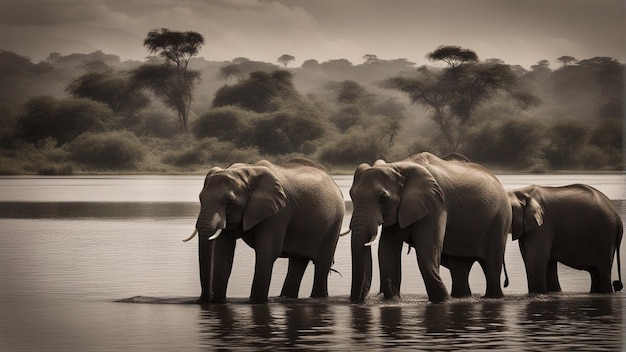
(97, 264)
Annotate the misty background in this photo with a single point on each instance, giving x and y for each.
(338, 82)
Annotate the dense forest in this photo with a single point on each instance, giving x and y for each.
(94, 113)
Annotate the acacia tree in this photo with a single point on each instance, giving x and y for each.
(454, 93)
(285, 59)
(172, 81)
(566, 60)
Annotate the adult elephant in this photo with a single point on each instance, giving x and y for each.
(575, 225)
(292, 210)
(453, 212)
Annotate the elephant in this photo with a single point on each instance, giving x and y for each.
(453, 212)
(292, 210)
(576, 225)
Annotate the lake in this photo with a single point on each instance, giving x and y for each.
(98, 264)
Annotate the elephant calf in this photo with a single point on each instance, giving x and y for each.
(575, 225)
(291, 210)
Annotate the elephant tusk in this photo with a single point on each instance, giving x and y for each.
(376, 237)
(345, 233)
(195, 232)
(216, 235)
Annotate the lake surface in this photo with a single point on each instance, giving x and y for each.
(98, 264)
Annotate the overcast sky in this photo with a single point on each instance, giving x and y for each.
(516, 31)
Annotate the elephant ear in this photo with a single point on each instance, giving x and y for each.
(420, 193)
(532, 211)
(267, 197)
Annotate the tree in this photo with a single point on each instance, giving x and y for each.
(454, 93)
(177, 48)
(115, 90)
(285, 59)
(230, 71)
(453, 55)
(166, 83)
(64, 120)
(566, 60)
(261, 92)
(370, 58)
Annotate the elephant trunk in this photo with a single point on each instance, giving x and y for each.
(208, 226)
(362, 235)
(361, 268)
(206, 248)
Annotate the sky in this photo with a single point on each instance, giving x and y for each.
(520, 32)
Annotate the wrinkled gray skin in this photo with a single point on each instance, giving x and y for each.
(291, 210)
(575, 225)
(452, 212)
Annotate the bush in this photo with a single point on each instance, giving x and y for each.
(284, 132)
(226, 123)
(355, 147)
(117, 150)
(64, 119)
(157, 124)
(209, 151)
(511, 142)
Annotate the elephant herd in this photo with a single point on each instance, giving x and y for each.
(451, 211)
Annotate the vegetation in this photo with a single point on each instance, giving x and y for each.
(172, 81)
(93, 113)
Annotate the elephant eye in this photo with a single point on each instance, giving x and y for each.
(384, 197)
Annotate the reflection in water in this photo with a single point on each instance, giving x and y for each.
(593, 321)
(562, 322)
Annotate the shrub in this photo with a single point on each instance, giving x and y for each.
(209, 151)
(355, 147)
(117, 150)
(284, 132)
(64, 119)
(226, 123)
(512, 142)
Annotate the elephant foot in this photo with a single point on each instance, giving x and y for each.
(204, 299)
(393, 299)
(218, 300)
(461, 293)
(438, 300)
(319, 295)
(257, 300)
(496, 295)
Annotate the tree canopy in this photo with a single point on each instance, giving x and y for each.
(285, 59)
(177, 48)
(454, 93)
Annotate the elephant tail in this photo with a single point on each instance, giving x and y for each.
(506, 275)
(618, 285)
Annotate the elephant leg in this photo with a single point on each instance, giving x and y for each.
(536, 257)
(427, 237)
(320, 279)
(459, 271)
(263, 266)
(600, 281)
(553, 277)
(223, 265)
(295, 272)
(390, 262)
(325, 260)
(492, 270)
